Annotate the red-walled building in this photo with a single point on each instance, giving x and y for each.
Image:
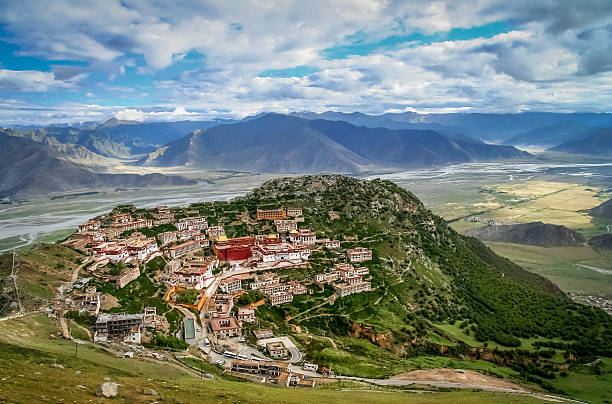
(240, 248)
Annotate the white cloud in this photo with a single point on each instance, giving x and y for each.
(558, 56)
(134, 114)
(28, 80)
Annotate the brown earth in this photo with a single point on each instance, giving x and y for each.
(451, 375)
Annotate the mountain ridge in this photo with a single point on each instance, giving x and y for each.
(277, 143)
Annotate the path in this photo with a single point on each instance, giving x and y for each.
(455, 385)
(330, 300)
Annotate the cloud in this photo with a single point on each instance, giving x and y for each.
(133, 114)
(28, 81)
(264, 55)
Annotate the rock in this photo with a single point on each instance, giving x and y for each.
(78, 372)
(108, 389)
(150, 392)
(80, 386)
(107, 379)
(57, 365)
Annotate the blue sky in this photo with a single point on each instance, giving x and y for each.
(71, 61)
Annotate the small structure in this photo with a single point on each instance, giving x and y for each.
(281, 298)
(230, 285)
(345, 289)
(167, 237)
(303, 236)
(117, 325)
(359, 254)
(246, 315)
(224, 327)
(294, 212)
(263, 333)
(285, 225)
(277, 349)
(264, 280)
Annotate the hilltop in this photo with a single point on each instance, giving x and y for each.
(535, 233)
(434, 298)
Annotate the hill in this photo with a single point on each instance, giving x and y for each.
(535, 233)
(552, 135)
(424, 273)
(438, 299)
(29, 169)
(601, 241)
(284, 144)
(603, 210)
(598, 144)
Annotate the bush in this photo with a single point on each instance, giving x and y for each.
(170, 341)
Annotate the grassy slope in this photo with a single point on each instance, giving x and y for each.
(32, 361)
(41, 270)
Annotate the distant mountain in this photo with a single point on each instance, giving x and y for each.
(276, 143)
(598, 144)
(488, 127)
(116, 138)
(29, 169)
(603, 210)
(535, 233)
(552, 135)
(601, 241)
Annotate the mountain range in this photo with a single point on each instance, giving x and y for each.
(276, 143)
(302, 142)
(31, 169)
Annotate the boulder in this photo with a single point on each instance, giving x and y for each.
(108, 389)
(150, 392)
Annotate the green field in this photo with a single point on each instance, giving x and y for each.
(29, 358)
(561, 265)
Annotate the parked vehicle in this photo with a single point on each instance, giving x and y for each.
(230, 354)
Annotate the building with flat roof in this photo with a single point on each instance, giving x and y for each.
(263, 333)
(116, 325)
(303, 236)
(225, 327)
(281, 298)
(359, 254)
(277, 349)
(266, 368)
(230, 285)
(183, 249)
(246, 315)
(294, 212)
(344, 289)
(285, 225)
(271, 214)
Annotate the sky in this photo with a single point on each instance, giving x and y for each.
(65, 61)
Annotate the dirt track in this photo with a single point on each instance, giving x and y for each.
(452, 376)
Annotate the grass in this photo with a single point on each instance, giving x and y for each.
(547, 201)
(559, 264)
(42, 270)
(28, 357)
